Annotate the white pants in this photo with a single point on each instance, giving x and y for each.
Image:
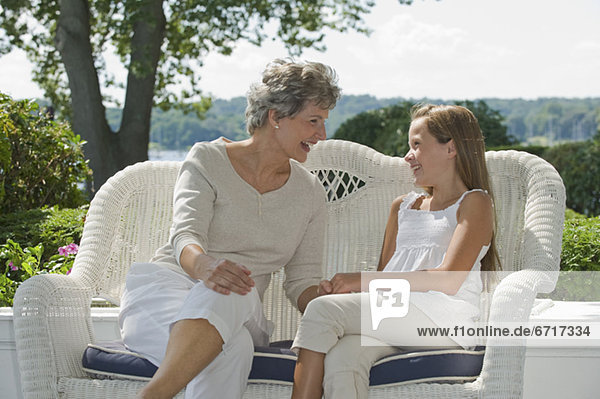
(156, 297)
(331, 324)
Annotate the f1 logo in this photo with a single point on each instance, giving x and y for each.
(388, 298)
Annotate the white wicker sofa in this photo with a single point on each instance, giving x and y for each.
(130, 217)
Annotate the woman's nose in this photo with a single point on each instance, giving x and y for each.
(409, 155)
(322, 132)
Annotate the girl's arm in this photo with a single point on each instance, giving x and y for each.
(391, 231)
(473, 231)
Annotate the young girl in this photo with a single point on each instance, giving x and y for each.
(438, 241)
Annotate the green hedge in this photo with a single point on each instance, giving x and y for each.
(579, 278)
(581, 244)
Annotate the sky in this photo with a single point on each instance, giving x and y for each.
(447, 49)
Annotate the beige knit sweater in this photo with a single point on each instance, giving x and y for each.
(216, 209)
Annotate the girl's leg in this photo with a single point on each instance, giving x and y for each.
(329, 318)
(325, 320)
(348, 366)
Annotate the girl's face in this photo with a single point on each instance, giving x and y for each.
(429, 159)
(297, 135)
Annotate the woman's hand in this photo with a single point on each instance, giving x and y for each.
(343, 283)
(220, 275)
(224, 276)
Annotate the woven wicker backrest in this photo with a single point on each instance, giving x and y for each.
(130, 216)
(529, 198)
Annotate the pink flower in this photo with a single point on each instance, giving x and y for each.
(68, 249)
(69, 271)
(12, 266)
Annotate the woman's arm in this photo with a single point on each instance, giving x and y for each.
(193, 207)
(222, 275)
(303, 272)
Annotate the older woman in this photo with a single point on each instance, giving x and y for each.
(241, 211)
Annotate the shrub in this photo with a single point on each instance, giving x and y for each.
(581, 245)
(37, 241)
(21, 264)
(579, 278)
(41, 161)
(50, 227)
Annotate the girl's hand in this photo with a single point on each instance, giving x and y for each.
(344, 283)
(324, 288)
(224, 276)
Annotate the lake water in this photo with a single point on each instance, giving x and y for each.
(166, 155)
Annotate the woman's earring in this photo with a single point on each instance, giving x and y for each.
(276, 126)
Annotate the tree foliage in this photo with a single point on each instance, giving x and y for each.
(491, 123)
(386, 129)
(191, 30)
(549, 120)
(162, 43)
(579, 166)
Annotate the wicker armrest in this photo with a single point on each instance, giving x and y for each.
(513, 297)
(504, 360)
(52, 328)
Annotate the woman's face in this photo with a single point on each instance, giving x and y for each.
(298, 134)
(428, 158)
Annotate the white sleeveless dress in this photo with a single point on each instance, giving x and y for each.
(421, 243)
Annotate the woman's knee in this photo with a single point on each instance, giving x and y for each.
(240, 352)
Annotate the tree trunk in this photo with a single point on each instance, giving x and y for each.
(107, 151)
(89, 121)
(148, 35)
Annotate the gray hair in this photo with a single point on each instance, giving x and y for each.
(287, 87)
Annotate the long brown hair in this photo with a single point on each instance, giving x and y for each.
(453, 122)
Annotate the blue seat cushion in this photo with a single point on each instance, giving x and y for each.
(435, 365)
(275, 364)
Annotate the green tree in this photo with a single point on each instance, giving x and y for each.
(491, 123)
(160, 42)
(384, 129)
(579, 166)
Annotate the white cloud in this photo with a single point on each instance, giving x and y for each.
(409, 58)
